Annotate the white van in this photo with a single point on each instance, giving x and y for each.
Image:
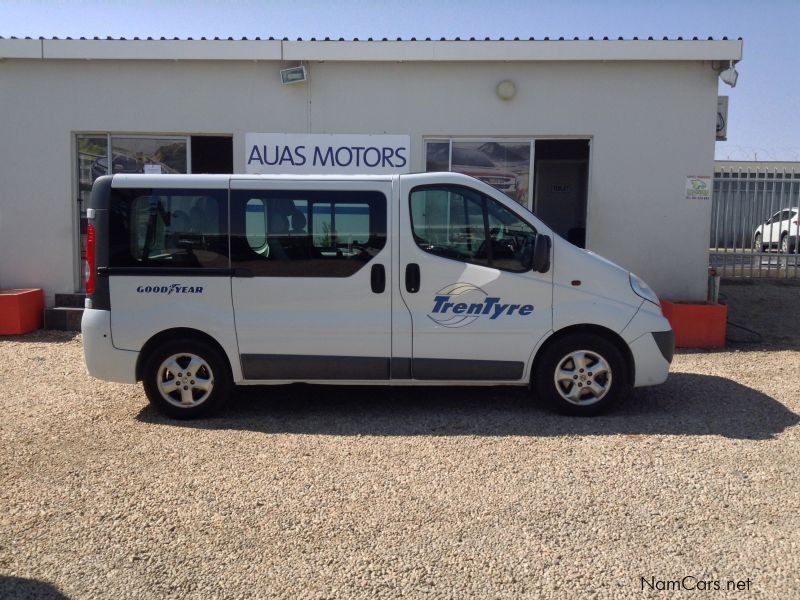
(200, 282)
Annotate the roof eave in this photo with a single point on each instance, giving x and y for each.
(386, 51)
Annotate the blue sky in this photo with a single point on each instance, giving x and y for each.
(764, 113)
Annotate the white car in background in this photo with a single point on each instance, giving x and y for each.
(781, 230)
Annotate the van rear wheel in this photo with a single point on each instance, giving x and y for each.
(186, 378)
(582, 374)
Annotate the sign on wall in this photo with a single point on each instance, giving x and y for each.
(698, 187)
(327, 153)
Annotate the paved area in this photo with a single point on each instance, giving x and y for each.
(376, 492)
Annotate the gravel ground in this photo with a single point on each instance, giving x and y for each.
(357, 492)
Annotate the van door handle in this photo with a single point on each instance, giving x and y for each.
(378, 279)
(412, 278)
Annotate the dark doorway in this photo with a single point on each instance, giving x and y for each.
(212, 154)
(561, 173)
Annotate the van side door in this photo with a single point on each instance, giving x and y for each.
(477, 310)
(310, 290)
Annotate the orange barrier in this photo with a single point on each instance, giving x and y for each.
(696, 325)
(21, 311)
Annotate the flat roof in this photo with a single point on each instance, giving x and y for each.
(374, 50)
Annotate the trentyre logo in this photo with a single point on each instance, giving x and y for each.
(470, 304)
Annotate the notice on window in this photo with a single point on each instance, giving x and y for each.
(152, 169)
(698, 187)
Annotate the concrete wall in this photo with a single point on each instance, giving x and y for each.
(651, 125)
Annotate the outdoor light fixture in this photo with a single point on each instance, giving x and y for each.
(729, 75)
(506, 89)
(293, 75)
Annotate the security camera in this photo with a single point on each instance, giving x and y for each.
(729, 76)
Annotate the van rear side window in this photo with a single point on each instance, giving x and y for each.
(169, 228)
(290, 233)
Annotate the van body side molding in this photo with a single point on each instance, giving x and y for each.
(306, 367)
(466, 370)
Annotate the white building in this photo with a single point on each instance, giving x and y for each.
(601, 138)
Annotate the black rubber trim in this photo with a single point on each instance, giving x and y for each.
(171, 271)
(304, 367)
(401, 368)
(100, 200)
(665, 340)
(466, 370)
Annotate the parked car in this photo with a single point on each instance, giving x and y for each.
(781, 230)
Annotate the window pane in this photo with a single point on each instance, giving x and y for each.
(309, 233)
(92, 161)
(256, 224)
(503, 165)
(140, 155)
(437, 156)
(448, 222)
(512, 239)
(168, 228)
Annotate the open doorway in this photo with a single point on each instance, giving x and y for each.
(561, 175)
(212, 154)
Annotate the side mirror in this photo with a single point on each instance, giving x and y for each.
(540, 261)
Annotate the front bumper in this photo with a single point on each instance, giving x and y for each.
(651, 366)
(652, 344)
(103, 360)
(665, 340)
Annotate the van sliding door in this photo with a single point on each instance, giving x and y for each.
(310, 289)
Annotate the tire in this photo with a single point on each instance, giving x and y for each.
(200, 367)
(575, 389)
(757, 245)
(784, 244)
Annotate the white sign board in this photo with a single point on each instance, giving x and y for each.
(698, 187)
(327, 153)
(152, 169)
(722, 118)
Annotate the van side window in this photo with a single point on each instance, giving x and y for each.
(168, 228)
(456, 222)
(289, 233)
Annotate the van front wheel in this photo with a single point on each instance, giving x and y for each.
(582, 374)
(186, 379)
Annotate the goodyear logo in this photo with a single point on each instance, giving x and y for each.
(460, 304)
(175, 288)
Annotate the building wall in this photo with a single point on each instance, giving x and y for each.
(651, 125)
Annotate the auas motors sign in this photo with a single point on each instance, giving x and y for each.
(326, 153)
(460, 304)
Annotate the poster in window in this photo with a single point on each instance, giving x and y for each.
(503, 165)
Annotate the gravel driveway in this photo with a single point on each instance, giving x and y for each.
(358, 492)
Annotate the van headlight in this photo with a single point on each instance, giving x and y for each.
(641, 289)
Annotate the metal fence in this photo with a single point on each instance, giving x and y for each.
(754, 223)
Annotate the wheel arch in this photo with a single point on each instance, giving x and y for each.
(609, 334)
(173, 334)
